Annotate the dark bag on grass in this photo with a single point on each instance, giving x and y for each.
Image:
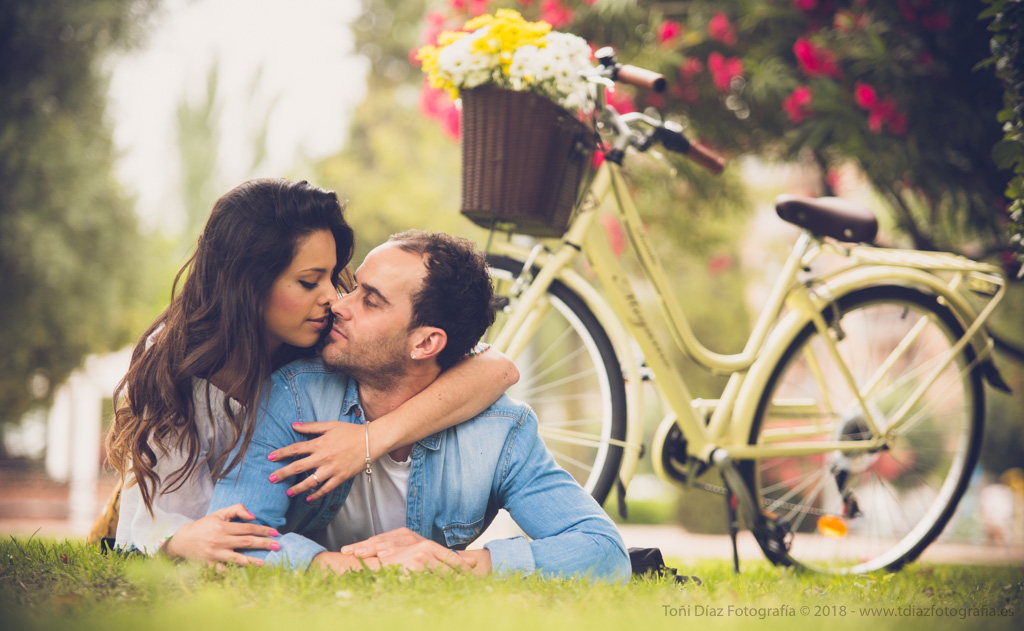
(649, 561)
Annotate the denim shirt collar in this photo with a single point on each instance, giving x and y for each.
(351, 408)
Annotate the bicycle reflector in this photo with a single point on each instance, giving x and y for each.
(832, 526)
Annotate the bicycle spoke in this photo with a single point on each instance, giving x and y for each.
(578, 438)
(565, 458)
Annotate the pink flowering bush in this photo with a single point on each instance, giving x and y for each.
(798, 104)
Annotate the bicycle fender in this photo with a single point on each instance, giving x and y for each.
(869, 276)
(829, 291)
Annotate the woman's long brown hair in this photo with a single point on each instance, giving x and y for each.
(249, 240)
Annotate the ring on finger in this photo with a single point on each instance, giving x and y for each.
(318, 482)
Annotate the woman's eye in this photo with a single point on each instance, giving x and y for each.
(308, 285)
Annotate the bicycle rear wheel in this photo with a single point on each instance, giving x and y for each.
(571, 377)
(862, 511)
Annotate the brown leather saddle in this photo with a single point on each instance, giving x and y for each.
(829, 216)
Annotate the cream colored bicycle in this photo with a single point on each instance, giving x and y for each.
(852, 420)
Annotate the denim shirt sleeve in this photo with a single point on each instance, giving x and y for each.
(248, 482)
(571, 534)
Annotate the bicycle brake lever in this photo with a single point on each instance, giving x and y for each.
(670, 135)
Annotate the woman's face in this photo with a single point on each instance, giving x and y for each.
(297, 306)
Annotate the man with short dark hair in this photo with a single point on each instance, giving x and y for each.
(422, 301)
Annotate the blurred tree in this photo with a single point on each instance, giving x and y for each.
(199, 139)
(385, 33)
(198, 145)
(397, 170)
(69, 240)
(1007, 29)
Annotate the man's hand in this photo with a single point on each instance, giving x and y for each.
(411, 551)
(398, 538)
(338, 454)
(430, 556)
(214, 538)
(342, 563)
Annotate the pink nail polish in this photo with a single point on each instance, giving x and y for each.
(272, 457)
(273, 478)
(289, 493)
(309, 498)
(275, 546)
(274, 533)
(296, 424)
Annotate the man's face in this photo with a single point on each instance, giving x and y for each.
(370, 340)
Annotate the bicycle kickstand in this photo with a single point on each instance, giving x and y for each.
(734, 525)
(771, 533)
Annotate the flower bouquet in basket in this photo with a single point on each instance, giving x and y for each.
(524, 146)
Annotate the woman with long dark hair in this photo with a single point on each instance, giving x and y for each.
(254, 295)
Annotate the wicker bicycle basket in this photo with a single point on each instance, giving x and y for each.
(523, 158)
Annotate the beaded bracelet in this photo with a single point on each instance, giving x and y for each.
(366, 433)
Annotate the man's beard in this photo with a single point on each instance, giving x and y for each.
(380, 367)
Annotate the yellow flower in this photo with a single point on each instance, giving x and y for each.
(428, 56)
(447, 37)
(486, 56)
(507, 31)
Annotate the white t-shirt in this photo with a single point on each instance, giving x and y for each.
(188, 502)
(371, 508)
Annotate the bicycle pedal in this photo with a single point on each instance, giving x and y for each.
(775, 535)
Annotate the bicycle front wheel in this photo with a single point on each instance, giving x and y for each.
(571, 377)
(855, 512)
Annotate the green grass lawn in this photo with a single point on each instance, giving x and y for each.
(48, 585)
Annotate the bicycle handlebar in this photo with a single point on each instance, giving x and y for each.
(669, 134)
(706, 158)
(640, 77)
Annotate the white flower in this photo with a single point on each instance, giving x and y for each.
(466, 67)
(554, 69)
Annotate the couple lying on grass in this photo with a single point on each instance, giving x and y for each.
(383, 415)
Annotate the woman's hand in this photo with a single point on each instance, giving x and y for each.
(338, 454)
(213, 539)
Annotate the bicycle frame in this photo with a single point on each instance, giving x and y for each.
(725, 423)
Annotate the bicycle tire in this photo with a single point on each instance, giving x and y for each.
(874, 510)
(571, 377)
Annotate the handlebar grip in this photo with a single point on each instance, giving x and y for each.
(706, 158)
(641, 78)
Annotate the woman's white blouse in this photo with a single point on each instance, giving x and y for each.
(136, 528)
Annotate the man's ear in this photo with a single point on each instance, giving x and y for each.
(428, 342)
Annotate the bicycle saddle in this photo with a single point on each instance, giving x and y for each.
(829, 216)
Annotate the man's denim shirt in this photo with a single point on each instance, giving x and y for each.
(459, 479)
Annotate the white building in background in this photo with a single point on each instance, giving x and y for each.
(74, 433)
